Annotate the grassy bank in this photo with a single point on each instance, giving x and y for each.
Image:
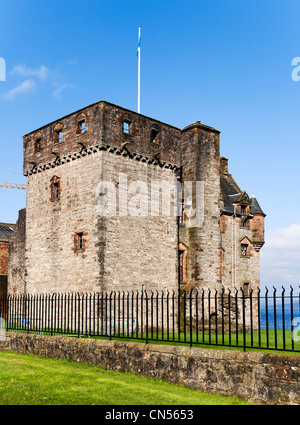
(30, 380)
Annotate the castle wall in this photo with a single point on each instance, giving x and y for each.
(141, 239)
(3, 267)
(52, 263)
(200, 160)
(3, 258)
(16, 258)
(120, 252)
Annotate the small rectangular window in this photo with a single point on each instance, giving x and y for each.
(56, 190)
(80, 241)
(126, 127)
(243, 216)
(244, 249)
(59, 134)
(246, 289)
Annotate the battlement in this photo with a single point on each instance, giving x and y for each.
(97, 126)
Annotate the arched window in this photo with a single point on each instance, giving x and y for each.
(154, 134)
(81, 126)
(38, 142)
(55, 188)
(58, 133)
(37, 145)
(182, 257)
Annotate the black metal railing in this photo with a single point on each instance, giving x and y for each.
(268, 319)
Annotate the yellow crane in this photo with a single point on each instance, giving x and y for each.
(9, 185)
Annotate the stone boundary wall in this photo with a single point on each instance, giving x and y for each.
(260, 378)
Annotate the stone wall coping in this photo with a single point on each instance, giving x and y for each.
(208, 353)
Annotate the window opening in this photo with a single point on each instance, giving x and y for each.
(153, 135)
(82, 126)
(79, 241)
(246, 289)
(244, 249)
(56, 190)
(59, 135)
(126, 127)
(38, 145)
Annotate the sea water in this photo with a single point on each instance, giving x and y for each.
(283, 315)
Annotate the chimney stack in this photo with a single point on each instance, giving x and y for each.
(223, 165)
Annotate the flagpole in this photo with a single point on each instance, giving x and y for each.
(139, 72)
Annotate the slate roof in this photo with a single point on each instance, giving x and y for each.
(255, 207)
(6, 230)
(232, 194)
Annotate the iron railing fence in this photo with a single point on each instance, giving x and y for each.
(268, 319)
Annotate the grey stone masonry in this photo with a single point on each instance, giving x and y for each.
(120, 201)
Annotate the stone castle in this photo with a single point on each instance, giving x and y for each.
(102, 187)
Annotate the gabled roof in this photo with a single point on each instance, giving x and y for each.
(231, 194)
(6, 230)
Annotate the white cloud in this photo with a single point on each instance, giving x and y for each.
(41, 73)
(280, 257)
(25, 87)
(57, 92)
(36, 76)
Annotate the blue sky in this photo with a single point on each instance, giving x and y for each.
(226, 63)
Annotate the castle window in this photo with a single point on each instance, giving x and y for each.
(126, 127)
(182, 257)
(154, 133)
(79, 241)
(243, 216)
(59, 135)
(38, 145)
(81, 123)
(82, 126)
(246, 289)
(55, 188)
(244, 250)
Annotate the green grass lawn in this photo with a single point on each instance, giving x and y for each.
(273, 342)
(31, 380)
